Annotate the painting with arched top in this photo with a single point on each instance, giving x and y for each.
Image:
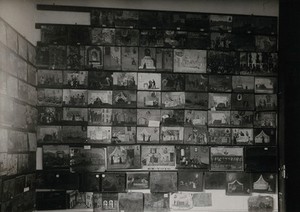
(94, 57)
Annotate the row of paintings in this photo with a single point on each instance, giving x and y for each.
(159, 157)
(139, 202)
(154, 81)
(154, 118)
(146, 99)
(17, 115)
(17, 141)
(18, 89)
(183, 21)
(153, 135)
(158, 182)
(157, 59)
(17, 43)
(17, 163)
(12, 66)
(86, 35)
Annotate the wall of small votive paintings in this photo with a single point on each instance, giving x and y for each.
(18, 120)
(156, 111)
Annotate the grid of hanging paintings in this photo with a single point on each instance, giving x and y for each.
(18, 120)
(153, 111)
